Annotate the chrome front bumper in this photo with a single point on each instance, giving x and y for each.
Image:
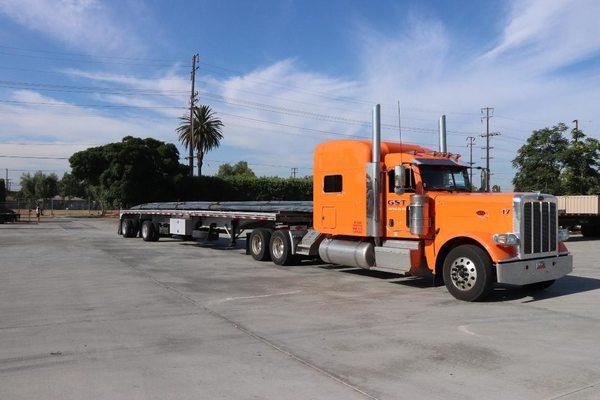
(523, 272)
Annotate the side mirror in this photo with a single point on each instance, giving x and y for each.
(399, 179)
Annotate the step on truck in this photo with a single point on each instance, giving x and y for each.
(389, 206)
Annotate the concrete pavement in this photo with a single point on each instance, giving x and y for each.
(85, 313)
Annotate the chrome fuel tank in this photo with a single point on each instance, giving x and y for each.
(347, 252)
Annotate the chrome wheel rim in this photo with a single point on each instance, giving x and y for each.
(145, 230)
(257, 244)
(463, 273)
(277, 247)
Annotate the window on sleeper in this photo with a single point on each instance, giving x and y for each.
(332, 184)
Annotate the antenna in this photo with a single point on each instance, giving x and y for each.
(399, 123)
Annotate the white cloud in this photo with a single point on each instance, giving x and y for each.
(68, 123)
(82, 24)
(542, 35)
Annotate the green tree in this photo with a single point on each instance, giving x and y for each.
(551, 163)
(27, 191)
(129, 172)
(46, 186)
(581, 174)
(69, 187)
(539, 162)
(39, 186)
(207, 132)
(240, 168)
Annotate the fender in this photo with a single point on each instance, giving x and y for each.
(484, 239)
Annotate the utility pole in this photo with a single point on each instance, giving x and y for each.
(470, 144)
(192, 105)
(6, 181)
(576, 121)
(488, 111)
(294, 170)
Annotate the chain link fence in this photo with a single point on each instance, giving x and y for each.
(52, 208)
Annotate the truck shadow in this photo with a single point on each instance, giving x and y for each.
(391, 277)
(582, 239)
(565, 286)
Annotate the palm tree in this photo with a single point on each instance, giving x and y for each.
(207, 132)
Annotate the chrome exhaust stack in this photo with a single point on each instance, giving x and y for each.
(442, 129)
(376, 153)
(374, 179)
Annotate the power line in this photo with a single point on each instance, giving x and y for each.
(49, 144)
(81, 60)
(83, 54)
(34, 157)
(87, 89)
(74, 105)
(108, 106)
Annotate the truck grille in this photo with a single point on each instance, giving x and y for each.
(539, 227)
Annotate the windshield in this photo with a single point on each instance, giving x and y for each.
(445, 178)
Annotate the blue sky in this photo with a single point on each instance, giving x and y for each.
(285, 75)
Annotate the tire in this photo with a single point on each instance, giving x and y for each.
(128, 228)
(259, 245)
(468, 273)
(281, 248)
(149, 232)
(156, 232)
(538, 286)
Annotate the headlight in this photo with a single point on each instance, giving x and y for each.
(506, 239)
(563, 235)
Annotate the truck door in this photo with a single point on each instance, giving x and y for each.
(396, 206)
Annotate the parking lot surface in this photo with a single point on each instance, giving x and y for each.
(86, 314)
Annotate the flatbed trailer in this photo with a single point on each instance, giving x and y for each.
(206, 220)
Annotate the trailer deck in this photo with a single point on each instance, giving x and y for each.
(229, 217)
(278, 211)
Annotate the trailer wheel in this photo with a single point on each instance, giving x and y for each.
(260, 240)
(128, 228)
(149, 232)
(468, 273)
(281, 248)
(156, 232)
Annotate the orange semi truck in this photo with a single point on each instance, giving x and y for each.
(388, 206)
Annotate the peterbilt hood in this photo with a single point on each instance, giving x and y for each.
(486, 212)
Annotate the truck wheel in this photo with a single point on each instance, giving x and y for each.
(149, 233)
(534, 287)
(468, 273)
(259, 244)
(128, 228)
(281, 248)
